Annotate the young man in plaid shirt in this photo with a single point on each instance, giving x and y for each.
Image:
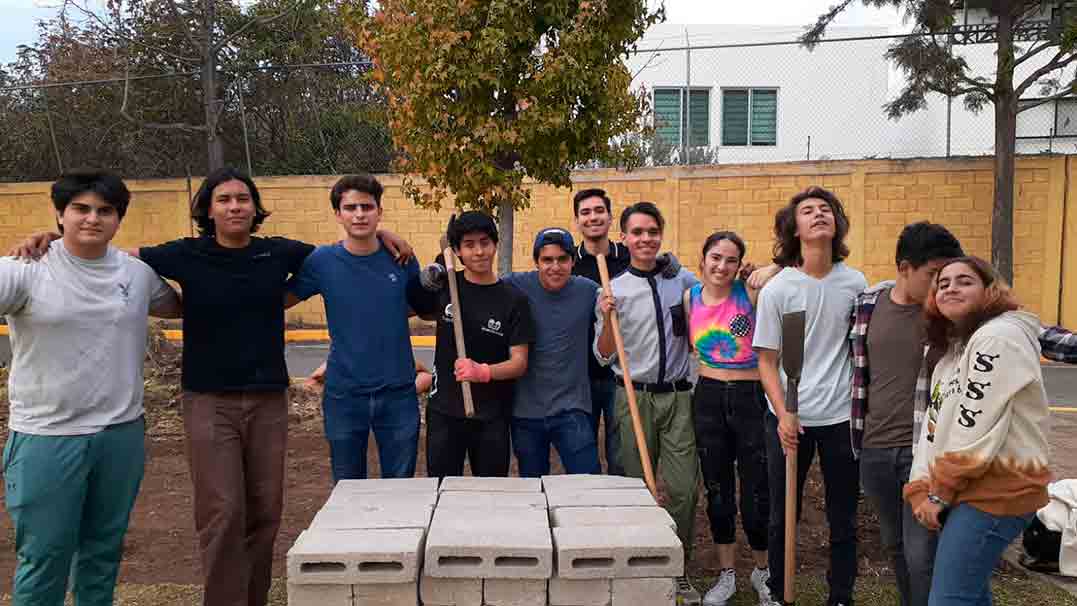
(891, 373)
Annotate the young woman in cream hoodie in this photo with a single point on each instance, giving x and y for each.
(980, 464)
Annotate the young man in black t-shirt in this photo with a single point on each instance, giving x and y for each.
(498, 328)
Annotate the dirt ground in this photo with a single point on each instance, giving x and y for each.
(161, 545)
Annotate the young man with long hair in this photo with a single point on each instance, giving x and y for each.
(810, 232)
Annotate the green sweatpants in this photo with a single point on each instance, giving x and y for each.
(71, 495)
(671, 441)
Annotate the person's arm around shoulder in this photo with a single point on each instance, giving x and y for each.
(305, 283)
(15, 279)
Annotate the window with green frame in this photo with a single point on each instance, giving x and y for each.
(749, 116)
(671, 119)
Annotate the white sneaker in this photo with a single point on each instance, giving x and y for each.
(760, 576)
(686, 594)
(723, 590)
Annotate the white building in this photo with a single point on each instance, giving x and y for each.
(763, 98)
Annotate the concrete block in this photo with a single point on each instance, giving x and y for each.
(377, 555)
(514, 592)
(588, 481)
(644, 592)
(484, 551)
(361, 517)
(473, 484)
(580, 592)
(490, 518)
(391, 594)
(436, 591)
(319, 595)
(385, 500)
(627, 497)
(388, 485)
(492, 500)
(611, 516)
(617, 552)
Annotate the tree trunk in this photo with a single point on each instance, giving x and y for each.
(504, 232)
(1005, 151)
(210, 101)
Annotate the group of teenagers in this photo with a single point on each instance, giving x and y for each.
(925, 391)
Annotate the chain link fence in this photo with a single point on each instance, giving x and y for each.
(748, 101)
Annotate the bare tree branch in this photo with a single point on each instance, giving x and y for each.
(262, 21)
(1059, 61)
(181, 23)
(119, 33)
(1032, 52)
(1067, 92)
(654, 56)
(154, 125)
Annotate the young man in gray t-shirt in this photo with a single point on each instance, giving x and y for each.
(74, 458)
(811, 230)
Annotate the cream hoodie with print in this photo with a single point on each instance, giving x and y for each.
(984, 440)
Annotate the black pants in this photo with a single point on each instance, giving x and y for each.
(728, 418)
(842, 492)
(449, 440)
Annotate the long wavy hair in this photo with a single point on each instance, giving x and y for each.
(998, 299)
(787, 244)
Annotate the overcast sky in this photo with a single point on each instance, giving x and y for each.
(20, 16)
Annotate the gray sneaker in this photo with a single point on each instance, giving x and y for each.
(686, 594)
(760, 576)
(723, 590)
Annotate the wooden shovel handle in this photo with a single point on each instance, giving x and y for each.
(790, 524)
(458, 328)
(630, 390)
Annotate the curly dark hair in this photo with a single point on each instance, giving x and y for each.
(787, 247)
(998, 299)
(203, 198)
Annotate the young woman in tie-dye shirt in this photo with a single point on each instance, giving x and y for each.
(728, 408)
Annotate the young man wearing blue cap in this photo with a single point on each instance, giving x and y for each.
(553, 399)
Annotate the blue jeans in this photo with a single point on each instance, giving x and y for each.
(602, 397)
(570, 433)
(971, 543)
(911, 547)
(70, 498)
(393, 415)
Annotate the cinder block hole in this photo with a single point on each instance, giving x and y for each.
(316, 567)
(516, 561)
(459, 561)
(381, 566)
(592, 563)
(648, 561)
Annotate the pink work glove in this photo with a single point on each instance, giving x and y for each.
(471, 371)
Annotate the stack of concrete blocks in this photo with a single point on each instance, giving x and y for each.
(489, 544)
(613, 544)
(365, 546)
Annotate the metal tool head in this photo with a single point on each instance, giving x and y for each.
(793, 343)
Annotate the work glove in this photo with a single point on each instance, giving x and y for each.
(471, 371)
(432, 277)
(668, 265)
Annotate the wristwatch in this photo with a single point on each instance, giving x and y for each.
(936, 500)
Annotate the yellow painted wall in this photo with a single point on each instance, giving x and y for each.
(881, 196)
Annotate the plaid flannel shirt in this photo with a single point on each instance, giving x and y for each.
(863, 308)
(1058, 344)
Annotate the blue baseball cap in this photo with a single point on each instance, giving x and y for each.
(553, 235)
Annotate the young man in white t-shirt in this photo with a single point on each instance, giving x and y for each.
(74, 458)
(811, 230)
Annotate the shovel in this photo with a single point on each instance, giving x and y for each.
(792, 364)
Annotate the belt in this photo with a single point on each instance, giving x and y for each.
(682, 385)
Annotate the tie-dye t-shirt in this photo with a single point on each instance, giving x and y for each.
(722, 334)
